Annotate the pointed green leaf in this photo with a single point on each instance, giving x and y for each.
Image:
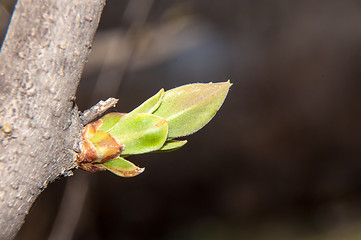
(109, 120)
(122, 167)
(172, 145)
(150, 105)
(188, 108)
(140, 133)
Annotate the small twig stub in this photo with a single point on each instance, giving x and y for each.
(97, 110)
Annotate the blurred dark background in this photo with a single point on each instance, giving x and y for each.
(281, 160)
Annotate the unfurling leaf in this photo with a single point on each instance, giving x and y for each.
(150, 105)
(106, 145)
(90, 129)
(122, 167)
(150, 127)
(188, 108)
(140, 133)
(172, 145)
(109, 120)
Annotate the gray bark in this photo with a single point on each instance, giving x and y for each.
(41, 60)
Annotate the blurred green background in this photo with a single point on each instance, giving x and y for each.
(282, 158)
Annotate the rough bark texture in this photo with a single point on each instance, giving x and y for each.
(40, 65)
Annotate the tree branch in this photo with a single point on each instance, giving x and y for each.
(41, 61)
